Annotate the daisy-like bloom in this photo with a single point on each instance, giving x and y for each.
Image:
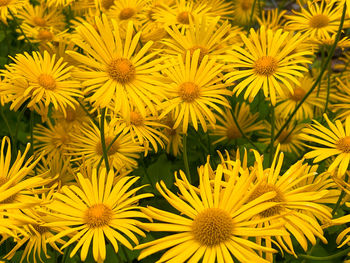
(333, 141)
(320, 19)
(208, 37)
(48, 82)
(59, 3)
(327, 43)
(266, 62)
(299, 210)
(43, 35)
(341, 99)
(343, 237)
(123, 149)
(181, 13)
(113, 69)
(289, 139)
(220, 8)
(174, 136)
(10, 5)
(287, 102)
(53, 139)
(226, 127)
(272, 19)
(96, 210)
(242, 10)
(194, 91)
(145, 129)
(74, 117)
(214, 221)
(41, 16)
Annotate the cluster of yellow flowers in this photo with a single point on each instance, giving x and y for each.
(114, 81)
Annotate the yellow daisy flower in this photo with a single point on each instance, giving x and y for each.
(220, 8)
(343, 237)
(59, 3)
(10, 5)
(319, 19)
(113, 69)
(341, 98)
(215, 221)
(97, 210)
(226, 127)
(43, 35)
(334, 141)
(272, 19)
(242, 10)
(174, 136)
(195, 90)
(265, 63)
(86, 145)
(48, 82)
(74, 117)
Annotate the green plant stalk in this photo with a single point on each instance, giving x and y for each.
(272, 139)
(19, 117)
(108, 147)
(251, 16)
(323, 69)
(328, 88)
(184, 153)
(334, 256)
(6, 122)
(103, 141)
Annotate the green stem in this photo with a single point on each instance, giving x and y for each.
(22, 32)
(272, 148)
(19, 117)
(6, 122)
(341, 196)
(251, 15)
(87, 112)
(187, 168)
(324, 66)
(328, 88)
(108, 147)
(103, 141)
(334, 256)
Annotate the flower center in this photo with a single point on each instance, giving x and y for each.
(9, 199)
(232, 132)
(212, 227)
(298, 95)
(45, 35)
(319, 21)
(265, 66)
(284, 137)
(265, 188)
(40, 229)
(70, 114)
(38, 21)
(126, 13)
(344, 144)
(4, 2)
(98, 215)
(121, 70)
(136, 118)
(46, 81)
(184, 17)
(189, 91)
(112, 150)
(106, 4)
(203, 51)
(246, 5)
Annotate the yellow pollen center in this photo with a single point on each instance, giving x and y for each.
(344, 144)
(121, 70)
(106, 4)
(203, 51)
(4, 2)
(232, 132)
(284, 137)
(70, 114)
(46, 81)
(265, 66)
(126, 13)
(45, 35)
(298, 95)
(40, 229)
(319, 21)
(112, 150)
(136, 118)
(246, 5)
(212, 227)
(189, 91)
(98, 215)
(38, 21)
(184, 17)
(265, 188)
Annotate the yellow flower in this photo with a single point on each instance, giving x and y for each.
(214, 223)
(219, 8)
(343, 237)
(272, 19)
(341, 98)
(333, 141)
(59, 3)
(242, 10)
(112, 68)
(195, 89)
(174, 136)
(266, 62)
(97, 210)
(42, 80)
(13, 6)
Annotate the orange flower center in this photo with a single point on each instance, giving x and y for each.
(4, 2)
(136, 118)
(284, 137)
(189, 91)
(47, 81)
(344, 144)
(184, 17)
(40, 229)
(232, 132)
(106, 4)
(121, 70)
(212, 227)
(265, 188)
(98, 215)
(265, 66)
(298, 95)
(70, 114)
(45, 35)
(246, 5)
(203, 51)
(319, 21)
(112, 150)
(126, 13)
(38, 21)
